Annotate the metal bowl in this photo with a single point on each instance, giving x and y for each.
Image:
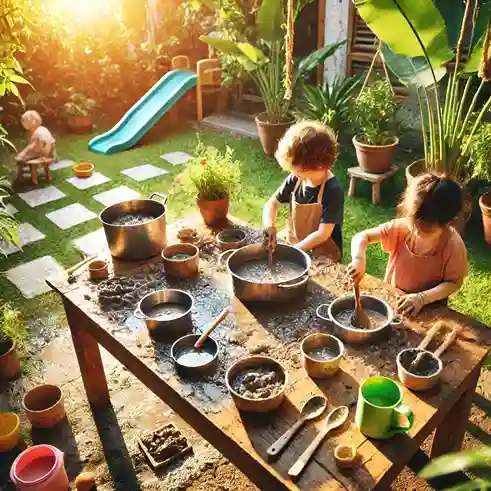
(256, 405)
(417, 382)
(231, 238)
(351, 334)
(166, 328)
(321, 368)
(181, 268)
(186, 342)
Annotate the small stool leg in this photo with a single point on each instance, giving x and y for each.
(352, 187)
(34, 174)
(47, 171)
(20, 171)
(376, 193)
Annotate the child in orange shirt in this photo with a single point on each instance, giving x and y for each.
(427, 257)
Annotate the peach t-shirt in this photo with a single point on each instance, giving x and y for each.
(414, 273)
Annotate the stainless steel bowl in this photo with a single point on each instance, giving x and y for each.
(166, 328)
(352, 334)
(316, 367)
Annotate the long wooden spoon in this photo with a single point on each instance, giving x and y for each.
(359, 318)
(423, 345)
(218, 320)
(333, 420)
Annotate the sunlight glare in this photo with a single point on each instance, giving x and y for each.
(85, 9)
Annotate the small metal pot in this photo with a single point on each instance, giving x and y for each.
(354, 335)
(136, 242)
(181, 268)
(231, 238)
(186, 343)
(321, 368)
(166, 328)
(251, 291)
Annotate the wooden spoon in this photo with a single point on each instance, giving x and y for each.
(218, 320)
(359, 318)
(423, 345)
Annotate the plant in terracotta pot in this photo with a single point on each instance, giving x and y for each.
(215, 176)
(79, 109)
(376, 125)
(12, 337)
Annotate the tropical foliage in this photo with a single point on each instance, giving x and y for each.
(9, 231)
(11, 325)
(420, 38)
(79, 104)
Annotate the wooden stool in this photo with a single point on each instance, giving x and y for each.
(376, 179)
(33, 165)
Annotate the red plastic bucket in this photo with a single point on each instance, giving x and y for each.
(40, 468)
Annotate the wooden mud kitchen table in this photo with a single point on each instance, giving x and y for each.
(276, 330)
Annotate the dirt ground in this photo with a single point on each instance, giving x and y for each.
(105, 442)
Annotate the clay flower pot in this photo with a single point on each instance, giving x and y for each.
(80, 124)
(375, 159)
(213, 212)
(98, 270)
(414, 170)
(270, 133)
(44, 406)
(485, 205)
(9, 359)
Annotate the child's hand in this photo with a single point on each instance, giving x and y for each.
(410, 304)
(357, 270)
(269, 239)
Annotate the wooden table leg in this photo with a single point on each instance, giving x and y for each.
(89, 358)
(352, 187)
(449, 435)
(376, 193)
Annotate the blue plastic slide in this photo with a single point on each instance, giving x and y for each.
(145, 113)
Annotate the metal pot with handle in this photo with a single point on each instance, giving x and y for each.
(136, 241)
(260, 291)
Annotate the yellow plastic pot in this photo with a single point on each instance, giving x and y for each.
(9, 431)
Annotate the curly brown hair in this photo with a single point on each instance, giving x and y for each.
(433, 199)
(309, 145)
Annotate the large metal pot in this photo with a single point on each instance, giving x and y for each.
(136, 242)
(252, 291)
(354, 335)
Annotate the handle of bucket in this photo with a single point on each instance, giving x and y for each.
(294, 285)
(318, 311)
(138, 314)
(163, 197)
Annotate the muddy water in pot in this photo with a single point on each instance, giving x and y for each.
(166, 311)
(259, 270)
(427, 367)
(376, 318)
(180, 256)
(132, 219)
(323, 353)
(192, 357)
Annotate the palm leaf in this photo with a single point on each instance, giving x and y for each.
(310, 62)
(271, 20)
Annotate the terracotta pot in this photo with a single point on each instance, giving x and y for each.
(44, 406)
(270, 133)
(98, 270)
(181, 268)
(460, 222)
(214, 211)
(9, 359)
(80, 124)
(485, 205)
(375, 159)
(414, 170)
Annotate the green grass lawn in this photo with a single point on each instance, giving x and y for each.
(260, 177)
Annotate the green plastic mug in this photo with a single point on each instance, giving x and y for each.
(380, 412)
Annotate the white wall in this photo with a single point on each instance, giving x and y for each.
(336, 29)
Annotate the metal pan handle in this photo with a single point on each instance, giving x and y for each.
(318, 311)
(163, 197)
(397, 320)
(139, 314)
(224, 256)
(294, 285)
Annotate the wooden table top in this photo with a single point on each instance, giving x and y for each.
(275, 330)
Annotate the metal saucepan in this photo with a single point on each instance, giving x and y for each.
(197, 354)
(256, 291)
(419, 369)
(164, 326)
(141, 241)
(321, 354)
(351, 334)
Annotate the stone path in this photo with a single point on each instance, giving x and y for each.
(38, 197)
(62, 164)
(27, 235)
(144, 172)
(88, 182)
(92, 243)
(177, 158)
(71, 215)
(116, 195)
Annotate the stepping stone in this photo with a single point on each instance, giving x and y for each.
(87, 182)
(116, 195)
(30, 277)
(71, 215)
(143, 172)
(62, 164)
(38, 197)
(9, 208)
(93, 243)
(27, 235)
(177, 158)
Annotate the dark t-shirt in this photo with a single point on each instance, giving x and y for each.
(332, 202)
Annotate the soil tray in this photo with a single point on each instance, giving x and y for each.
(158, 464)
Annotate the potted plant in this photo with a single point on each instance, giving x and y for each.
(375, 124)
(9, 229)
(79, 109)
(12, 337)
(260, 50)
(215, 177)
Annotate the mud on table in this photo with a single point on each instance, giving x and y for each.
(276, 330)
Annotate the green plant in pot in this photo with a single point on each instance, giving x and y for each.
(12, 337)
(215, 176)
(260, 51)
(79, 110)
(376, 126)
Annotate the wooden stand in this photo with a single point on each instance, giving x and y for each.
(376, 180)
(209, 82)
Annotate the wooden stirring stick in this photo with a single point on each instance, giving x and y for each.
(212, 326)
(359, 318)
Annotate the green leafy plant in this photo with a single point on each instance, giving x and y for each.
(419, 40)
(374, 114)
(79, 104)
(330, 103)
(480, 153)
(12, 325)
(213, 174)
(261, 53)
(9, 230)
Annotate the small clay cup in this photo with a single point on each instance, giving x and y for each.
(98, 270)
(181, 268)
(44, 406)
(345, 456)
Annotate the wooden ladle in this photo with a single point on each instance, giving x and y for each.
(359, 318)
